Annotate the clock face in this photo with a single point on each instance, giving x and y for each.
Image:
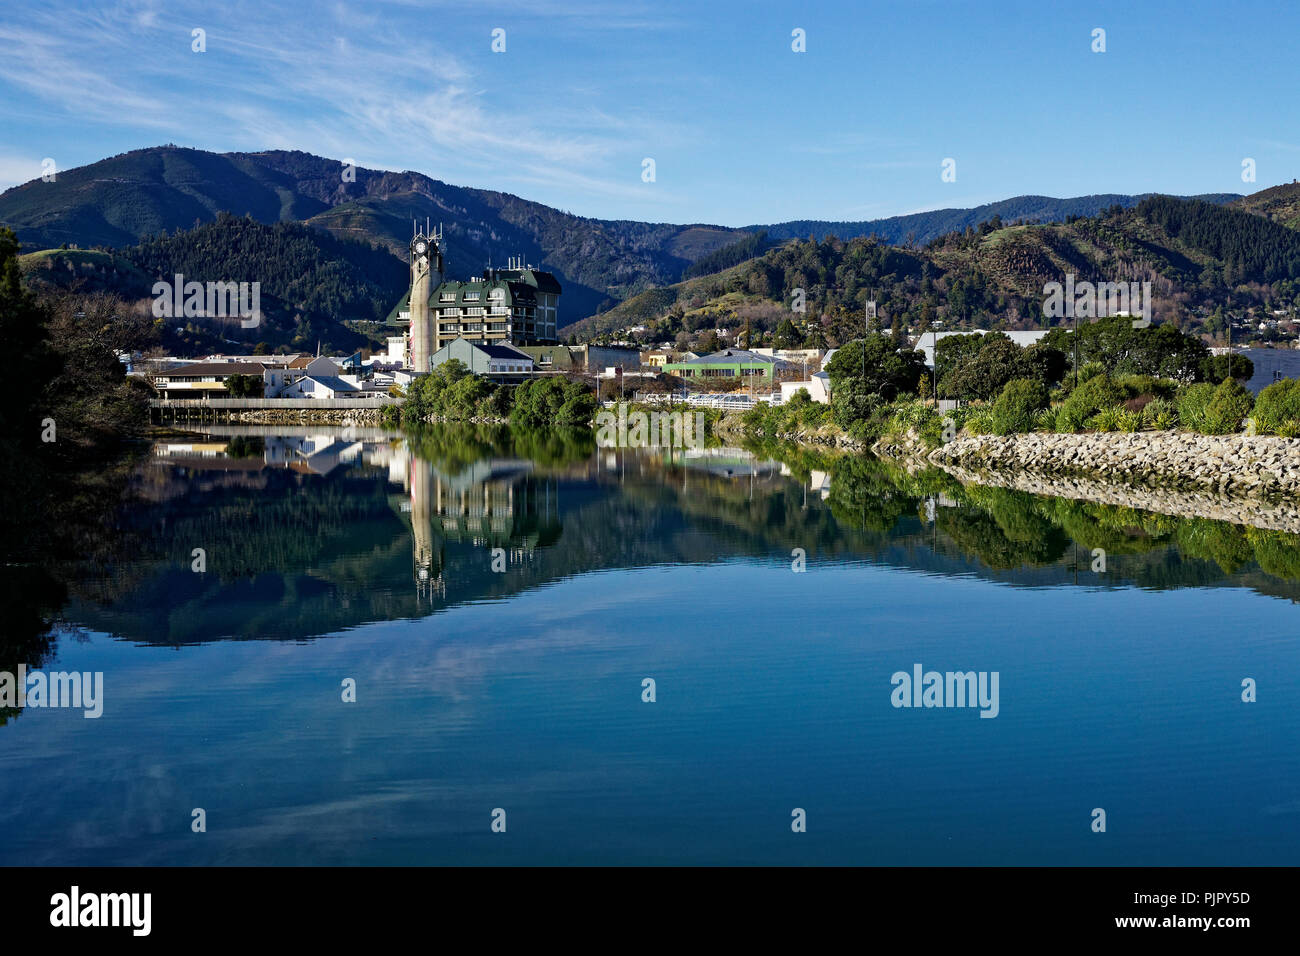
(421, 246)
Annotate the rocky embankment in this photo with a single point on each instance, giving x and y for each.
(1252, 465)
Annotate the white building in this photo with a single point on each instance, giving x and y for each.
(925, 343)
(818, 386)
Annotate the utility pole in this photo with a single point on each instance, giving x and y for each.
(934, 366)
(866, 326)
(1074, 334)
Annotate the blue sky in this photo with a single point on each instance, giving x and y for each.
(741, 128)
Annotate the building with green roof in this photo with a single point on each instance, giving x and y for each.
(518, 305)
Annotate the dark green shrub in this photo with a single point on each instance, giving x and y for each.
(1192, 402)
(1215, 368)
(1228, 408)
(1014, 410)
(1277, 410)
(1087, 400)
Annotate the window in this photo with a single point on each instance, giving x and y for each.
(447, 297)
(471, 296)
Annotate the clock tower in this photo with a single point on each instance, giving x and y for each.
(426, 262)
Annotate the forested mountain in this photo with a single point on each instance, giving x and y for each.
(1205, 262)
(923, 227)
(311, 283)
(1280, 203)
(120, 201)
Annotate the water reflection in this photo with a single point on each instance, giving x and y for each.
(312, 530)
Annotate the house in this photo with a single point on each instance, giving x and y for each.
(581, 358)
(727, 364)
(277, 382)
(818, 386)
(925, 343)
(198, 380)
(321, 386)
(496, 360)
(794, 356)
(657, 358)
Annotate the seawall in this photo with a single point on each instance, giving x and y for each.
(1253, 465)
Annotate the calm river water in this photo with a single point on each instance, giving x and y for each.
(499, 604)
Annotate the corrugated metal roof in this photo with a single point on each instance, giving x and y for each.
(332, 382)
(214, 368)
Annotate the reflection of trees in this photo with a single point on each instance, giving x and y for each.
(979, 533)
(1224, 544)
(866, 493)
(32, 597)
(293, 555)
(1003, 528)
(63, 527)
(453, 447)
(1276, 552)
(290, 523)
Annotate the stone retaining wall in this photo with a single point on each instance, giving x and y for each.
(1255, 465)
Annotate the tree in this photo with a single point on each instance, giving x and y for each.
(983, 375)
(787, 336)
(1215, 368)
(867, 371)
(245, 386)
(1013, 412)
(552, 401)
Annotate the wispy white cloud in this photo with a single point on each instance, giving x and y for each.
(16, 170)
(348, 84)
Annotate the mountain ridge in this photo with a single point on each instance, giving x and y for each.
(123, 200)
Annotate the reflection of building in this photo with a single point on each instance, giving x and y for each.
(316, 454)
(492, 503)
(728, 462)
(427, 553)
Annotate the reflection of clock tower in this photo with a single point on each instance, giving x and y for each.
(426, 260)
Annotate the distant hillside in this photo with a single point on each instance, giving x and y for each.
(119, 201)
(1200, 257)
(923, 227)
(1280, 204)
(85, 270)
(124, 199)
(311, 283)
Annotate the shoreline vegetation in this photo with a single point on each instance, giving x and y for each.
(1147, 406)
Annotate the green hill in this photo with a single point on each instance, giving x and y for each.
(1203, 260)
(315, 288)
(1280, 204)
(122, 200)
(125, 199)
(85, 270)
